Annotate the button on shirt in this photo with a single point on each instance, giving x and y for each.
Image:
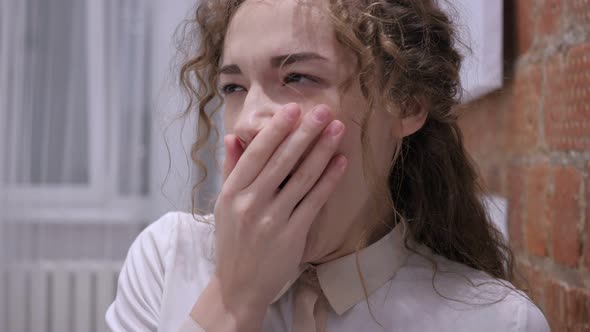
(171, 262)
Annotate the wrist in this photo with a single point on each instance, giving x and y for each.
(217, 311)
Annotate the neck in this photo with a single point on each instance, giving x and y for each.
(361, 235)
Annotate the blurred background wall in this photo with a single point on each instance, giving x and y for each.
(532, 142)
(91, 151)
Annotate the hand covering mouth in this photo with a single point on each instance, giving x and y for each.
(284, 183)
(299, 162)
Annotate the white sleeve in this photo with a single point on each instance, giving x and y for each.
(535, 320)
(139, 290)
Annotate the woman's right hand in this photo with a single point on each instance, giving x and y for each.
(261, 230)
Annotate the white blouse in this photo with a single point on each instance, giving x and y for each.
(171, 261)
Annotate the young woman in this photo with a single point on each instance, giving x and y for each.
(348, 201)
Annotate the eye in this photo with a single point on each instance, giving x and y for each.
(230, 88)
(298, 78)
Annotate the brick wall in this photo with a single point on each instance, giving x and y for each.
(531, 141)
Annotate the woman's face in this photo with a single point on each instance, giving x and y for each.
(260, 35)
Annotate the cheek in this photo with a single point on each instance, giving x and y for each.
(351, 147)
(229, 120)
(352, 191)
(327, 97)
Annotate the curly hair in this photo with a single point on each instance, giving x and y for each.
(406, 56)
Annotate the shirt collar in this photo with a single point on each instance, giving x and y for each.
(340, 280)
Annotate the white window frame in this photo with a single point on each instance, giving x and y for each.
(480, 26)
(99, 198)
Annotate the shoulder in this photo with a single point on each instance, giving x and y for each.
(183, 244)
(171, 234)
(172, 223)
(176, 229)
(176, 240)
(472, 296)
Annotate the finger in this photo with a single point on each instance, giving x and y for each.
(292, 149)
(312, 167)
(262, 147)
(233, 151)
(308, 209)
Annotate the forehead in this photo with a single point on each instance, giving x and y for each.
(263, 28)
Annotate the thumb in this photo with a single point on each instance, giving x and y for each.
(233, 152)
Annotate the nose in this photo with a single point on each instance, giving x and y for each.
(257, 109)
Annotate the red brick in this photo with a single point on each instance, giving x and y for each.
(567, 105)
(555, 298)
(484, 114)
(550, 16)
(565, 215)
(577, 308)
(493, 178)
(554, 101)
(536, 210)
(537, 280)
(483, 123)
(523, 121)
(587, 222)
(515, 187)
(534, 283)
(579, 12)
(587, 237)
(525, 24)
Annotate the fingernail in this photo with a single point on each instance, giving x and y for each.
(320, 114)
(335, 128)
(291, 111)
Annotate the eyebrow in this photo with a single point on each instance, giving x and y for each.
(289, 59)
(230, 70)
(276, 61)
